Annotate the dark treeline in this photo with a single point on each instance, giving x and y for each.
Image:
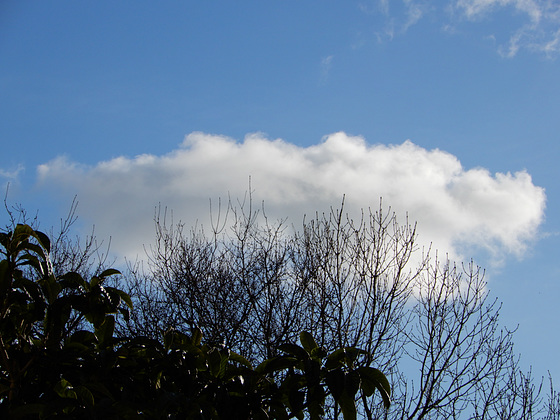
(253, 286)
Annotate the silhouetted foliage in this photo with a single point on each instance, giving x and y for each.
(59, 356)
(72, 347)
(428, 324)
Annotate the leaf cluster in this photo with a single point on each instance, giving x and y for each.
(59, 356)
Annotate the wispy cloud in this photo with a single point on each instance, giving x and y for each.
(11, 174)
(414, 12)
(399, 16)
(474, 9)
(455, 207)
(326, 64)
(8, 176)
(539, 30)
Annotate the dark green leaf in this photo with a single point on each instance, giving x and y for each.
(64, 389)
(168, 338)
(21, 233)
(296, 398)
(43, 240)
(51, 288)
(73, 281)
(374, 379)
(109, 272)
(4, 239)
(240, 359)
(57, 316)
(307, 341)
(33, 261)
(348, 406)
(85, 395)
(315, 401)
(351, 382)
(215, 363)
(335, 382)
(196, 336)
(37, 249)
(124, 296)
(104, 332)
(5, 276)
(318, 353)
(276, 364)
(351, 354)
(334, 360)
(295, 350)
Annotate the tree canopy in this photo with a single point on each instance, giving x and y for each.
(59, 356)
(209, 326)
(429, 324)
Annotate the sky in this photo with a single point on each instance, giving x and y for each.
(448, 111)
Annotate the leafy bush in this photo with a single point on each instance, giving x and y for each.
(59, 356)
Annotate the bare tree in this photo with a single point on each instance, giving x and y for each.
(86, 255)
(67, 252)
(253, 285)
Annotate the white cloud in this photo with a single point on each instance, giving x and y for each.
(538, 31)
(326, 64)
(384, 6)
(474, 9)
(541, 29)
(399, 18)
(455, 208)
(11, 174)
(414, 12)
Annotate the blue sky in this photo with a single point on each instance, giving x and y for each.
(129, 104)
